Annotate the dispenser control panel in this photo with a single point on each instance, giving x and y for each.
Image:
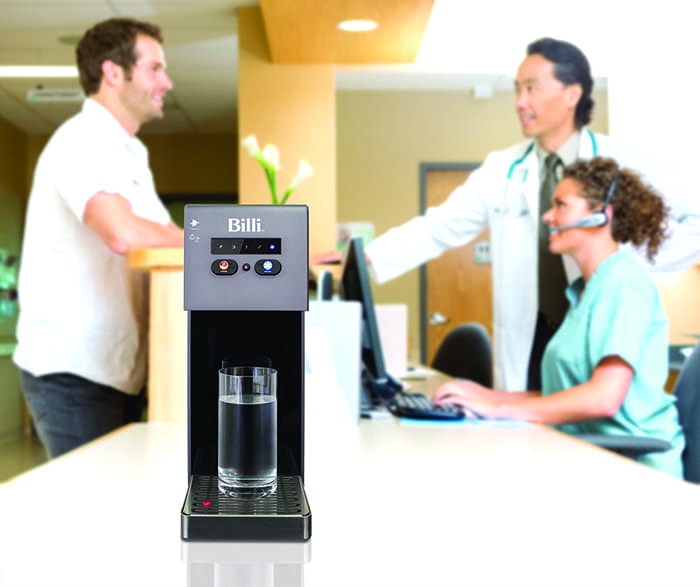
(246, 246)
(246, 257)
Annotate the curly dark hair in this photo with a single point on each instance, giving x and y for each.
(639, 212)
(570, 67)
(110, 40)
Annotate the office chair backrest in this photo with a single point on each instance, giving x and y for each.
(325, 286)
(687, 392)
(466, 353)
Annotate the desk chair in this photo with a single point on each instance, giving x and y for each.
(325, 286)
(465, 353)
(687, 392)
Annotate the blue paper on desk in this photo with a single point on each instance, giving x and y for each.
(467, 422)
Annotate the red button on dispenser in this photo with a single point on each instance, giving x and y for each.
(224, 267)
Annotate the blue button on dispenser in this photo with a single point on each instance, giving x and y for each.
(267, 267)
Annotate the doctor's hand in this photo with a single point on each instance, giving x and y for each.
(468, 394)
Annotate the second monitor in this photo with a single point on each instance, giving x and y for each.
(377, 383)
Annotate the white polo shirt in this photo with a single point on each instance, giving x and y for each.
(82, 311)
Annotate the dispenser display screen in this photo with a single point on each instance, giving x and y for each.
(246, 246)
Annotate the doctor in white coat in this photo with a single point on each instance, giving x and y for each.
(553, 103)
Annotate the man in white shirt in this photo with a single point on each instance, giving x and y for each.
(82, 328)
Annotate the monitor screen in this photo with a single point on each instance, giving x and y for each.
(355, 286)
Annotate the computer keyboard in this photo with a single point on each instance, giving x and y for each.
(418, 406)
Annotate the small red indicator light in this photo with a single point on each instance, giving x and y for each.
(206, 504)
(223, 265)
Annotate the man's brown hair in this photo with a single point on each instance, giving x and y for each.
(111, 40)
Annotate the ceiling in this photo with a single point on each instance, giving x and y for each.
(201, 49)
(306, 31)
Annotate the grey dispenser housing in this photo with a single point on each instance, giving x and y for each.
(246, 291)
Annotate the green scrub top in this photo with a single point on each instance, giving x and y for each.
(618, 312)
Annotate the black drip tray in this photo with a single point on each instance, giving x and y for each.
(208, 514)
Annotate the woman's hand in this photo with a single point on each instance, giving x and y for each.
(468, 394)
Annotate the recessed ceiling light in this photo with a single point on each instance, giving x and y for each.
(357, 26)
(38, 71)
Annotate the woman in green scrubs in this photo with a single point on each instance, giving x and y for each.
(604, 370)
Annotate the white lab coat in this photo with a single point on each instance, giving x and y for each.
(503, 195)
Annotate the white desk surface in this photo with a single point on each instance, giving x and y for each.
(392, 504)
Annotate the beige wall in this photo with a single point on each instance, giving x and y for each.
(192, 164)
(13, 187)
(384, 136)
(181, 164)
(35, 144)
(682, 308)
(292, 107)
(13, 145)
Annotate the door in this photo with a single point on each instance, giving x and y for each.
(457, 285)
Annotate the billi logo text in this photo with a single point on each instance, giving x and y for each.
(244, 225)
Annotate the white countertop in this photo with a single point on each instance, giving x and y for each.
(392, 504)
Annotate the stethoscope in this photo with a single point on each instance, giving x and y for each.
(515, 164)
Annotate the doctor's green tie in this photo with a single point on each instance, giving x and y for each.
(551, 277)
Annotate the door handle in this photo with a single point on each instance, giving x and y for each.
(436, 319)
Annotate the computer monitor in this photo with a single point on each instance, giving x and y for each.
(377, 384)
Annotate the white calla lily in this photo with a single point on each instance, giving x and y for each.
(305, 170)
(269, 159)
(271, 155)
(251, 143)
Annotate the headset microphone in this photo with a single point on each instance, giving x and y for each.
(597, 219)
(593, 221)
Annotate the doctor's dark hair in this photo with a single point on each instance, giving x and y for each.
(570, 67)
(110, 40)
(639, 212)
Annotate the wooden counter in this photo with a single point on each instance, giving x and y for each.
(167, 346)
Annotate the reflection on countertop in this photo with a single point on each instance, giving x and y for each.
(245, 564)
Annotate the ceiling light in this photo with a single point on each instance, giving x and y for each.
(357, 26)
(37, 71)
